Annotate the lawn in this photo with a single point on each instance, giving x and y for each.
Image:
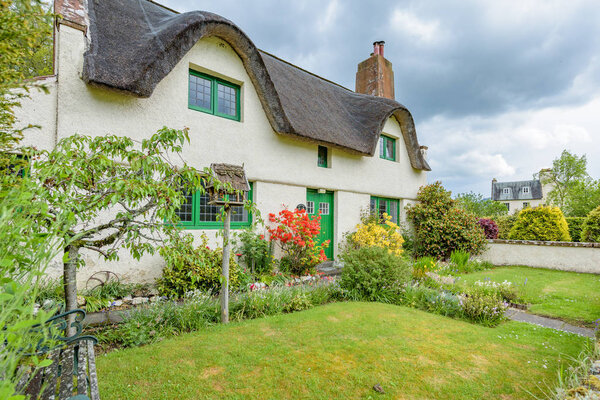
(339, 351)
(570, 296)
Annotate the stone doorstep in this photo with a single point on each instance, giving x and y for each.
(521, 316)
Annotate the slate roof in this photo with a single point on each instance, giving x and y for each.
(516, 190)
(134, 44)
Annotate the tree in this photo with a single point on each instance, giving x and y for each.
(566, 171)
(582, 198)
(116, 195)
(474, 203)
(24, 250)
(25, 39)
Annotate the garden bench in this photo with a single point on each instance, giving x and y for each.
(72, 374)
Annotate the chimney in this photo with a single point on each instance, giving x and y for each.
(375, 75)
(493, 181)
(72, 13)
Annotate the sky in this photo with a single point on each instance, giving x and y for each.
(497, 89)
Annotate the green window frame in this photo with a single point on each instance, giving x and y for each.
(380, 205)
(198, 214)
(213, 95)
(322, 157)
(387, 148)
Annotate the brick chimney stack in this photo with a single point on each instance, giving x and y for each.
(375, 75)
(72, 13)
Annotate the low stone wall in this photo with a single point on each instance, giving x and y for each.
(566, 256)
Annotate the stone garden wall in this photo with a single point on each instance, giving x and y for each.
(566, 256)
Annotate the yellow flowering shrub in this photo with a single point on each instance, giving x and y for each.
(386, 235)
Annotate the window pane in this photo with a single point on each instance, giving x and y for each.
(185, 211)
(239, 214)
(393, 210)
(200, 89)
(208, 212)
(324, 208)
(389, 148)
(373, 205)
(382, 208)
(382, 147)
(322, 157)
(310, 207)
(226, 100)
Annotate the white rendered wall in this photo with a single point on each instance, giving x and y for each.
(282, 167)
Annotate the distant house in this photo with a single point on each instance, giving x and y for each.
(521, 194)
(129, 67)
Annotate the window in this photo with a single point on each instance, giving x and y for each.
(196, 213)
(506, 190)
(526, 189)
(387, 148)
(324, 208)
(525, 204)
(310, 207)
(507, 206)
(322, 157)
(214, 96)
(380, 205)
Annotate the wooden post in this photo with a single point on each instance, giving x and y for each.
(225, 272)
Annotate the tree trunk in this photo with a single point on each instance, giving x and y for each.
(225, 272)
(70, 284)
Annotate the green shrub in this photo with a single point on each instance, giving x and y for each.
(485, 309)
(505, 290)
(255, 251)
(540, 223)
(590, 231)
(575, 226)
(505, 224)
(189, 268)
(441, 227)
(432, 300)
(372, 273)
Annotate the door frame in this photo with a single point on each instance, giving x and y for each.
(331, 201)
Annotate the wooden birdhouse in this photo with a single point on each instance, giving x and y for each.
(233, 175)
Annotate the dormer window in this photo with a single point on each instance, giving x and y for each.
(526, 189)
(506, 191)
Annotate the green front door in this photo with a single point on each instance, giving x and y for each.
(322, 203)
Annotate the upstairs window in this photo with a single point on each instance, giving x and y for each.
(387, 148)
(214, 96)
(526, 189)
(506, 190)
(322, 157)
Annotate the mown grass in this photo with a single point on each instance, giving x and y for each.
(570, 296)
(339, 351)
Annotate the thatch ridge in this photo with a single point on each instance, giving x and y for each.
(135, 44)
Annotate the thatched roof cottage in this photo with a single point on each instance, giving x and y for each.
(129, 67)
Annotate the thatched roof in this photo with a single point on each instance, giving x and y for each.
(232, 174)
(134, 44)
